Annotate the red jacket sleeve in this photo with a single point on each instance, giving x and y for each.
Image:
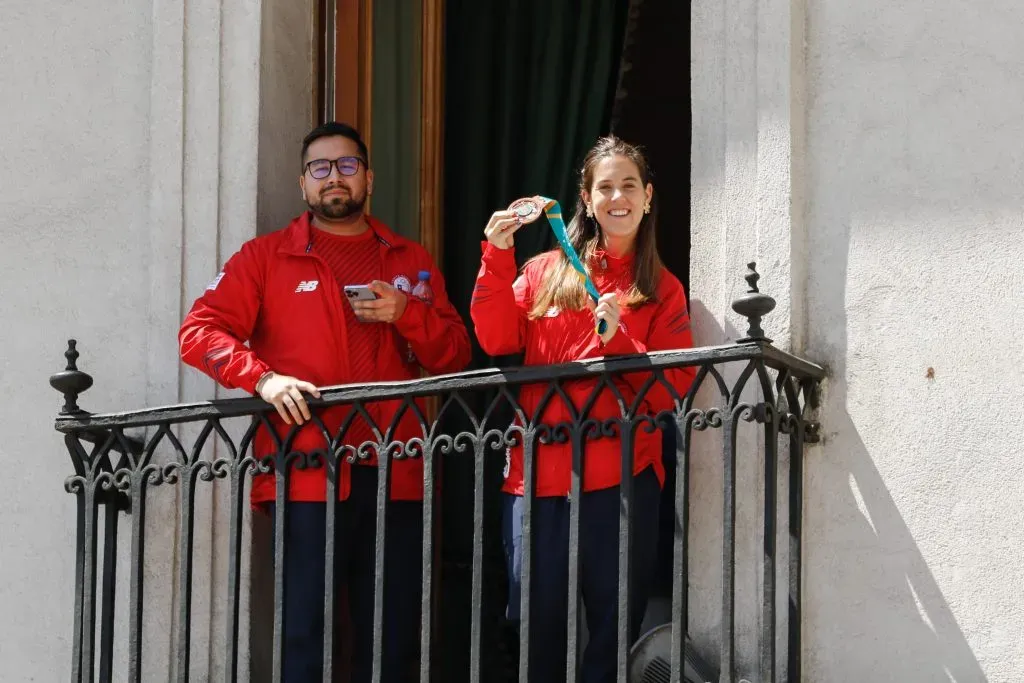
(212, 337)
(670, 330)
(499, 305)
(436, 332)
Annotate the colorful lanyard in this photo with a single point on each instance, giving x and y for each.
(524, 208)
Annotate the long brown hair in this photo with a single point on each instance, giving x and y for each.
(562, 287)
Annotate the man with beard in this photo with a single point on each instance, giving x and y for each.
(282, 294)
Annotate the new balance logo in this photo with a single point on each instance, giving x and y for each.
(307, 286)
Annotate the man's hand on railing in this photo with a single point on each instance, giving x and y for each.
(285, 394)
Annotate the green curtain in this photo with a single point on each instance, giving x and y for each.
(529, 86)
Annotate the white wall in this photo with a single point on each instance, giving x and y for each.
(74, 204)
(916, 501)
(868, 156)
(741, 194)
(132, 134)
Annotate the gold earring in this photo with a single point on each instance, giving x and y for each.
(590, 211)
(647, 207)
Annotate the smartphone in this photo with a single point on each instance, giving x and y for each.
(359, 293)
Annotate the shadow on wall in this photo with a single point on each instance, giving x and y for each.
(918, 639)
(915, 184)
(872, 607)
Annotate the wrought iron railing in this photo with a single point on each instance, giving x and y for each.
(117, 462)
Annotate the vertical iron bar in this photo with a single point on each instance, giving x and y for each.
(475, 653)
(680, 550)
(526, 568)
(281, 467)
(187, 536)
(728, 673)
(383, 496)
(333, 462)
(89, 584)
(573, 617)
(427, 599)
(239, 471)
(109, 596)
(138, 503)
(768, 594)
(796, 500)
(76, 650)
(625, 547)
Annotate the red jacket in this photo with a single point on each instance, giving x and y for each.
(282, 298)
(499, 310)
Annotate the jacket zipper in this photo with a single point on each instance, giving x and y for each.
(338, 324)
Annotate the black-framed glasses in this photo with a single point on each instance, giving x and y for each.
(321, 168)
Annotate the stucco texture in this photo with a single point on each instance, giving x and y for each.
(132, 134)
(915, 500)
(868, 156)
(73, 197)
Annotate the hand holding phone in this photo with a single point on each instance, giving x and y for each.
(359, 293)
(376, 302)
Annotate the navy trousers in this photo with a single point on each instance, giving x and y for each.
(599, 575)
(355, 542)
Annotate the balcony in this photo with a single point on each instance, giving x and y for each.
(759, 400)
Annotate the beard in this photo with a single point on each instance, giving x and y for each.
(338, 207)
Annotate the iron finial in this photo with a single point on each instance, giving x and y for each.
(752, 305)
(72, 381)
(752, 277)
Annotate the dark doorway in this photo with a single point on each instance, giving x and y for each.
(529, 88)
(652, 108)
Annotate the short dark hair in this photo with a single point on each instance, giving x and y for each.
(330, 129)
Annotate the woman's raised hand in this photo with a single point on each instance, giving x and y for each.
(501, 227)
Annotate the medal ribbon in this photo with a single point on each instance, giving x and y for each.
(553, 211)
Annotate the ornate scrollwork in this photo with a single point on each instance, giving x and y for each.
(590, 429)
(747, 412)
(443, 444)
(221, 468)
(169, 472)
(151, 475)
(303, 460)
(649, 424)
(123, 479)
(203, 470)
(701, 420)
(612, 427)
(413, 448)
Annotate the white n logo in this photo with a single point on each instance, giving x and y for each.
(307, 286)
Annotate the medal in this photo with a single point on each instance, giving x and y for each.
(528, 209)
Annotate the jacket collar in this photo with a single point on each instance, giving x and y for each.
(602, 261)
(298, 238)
